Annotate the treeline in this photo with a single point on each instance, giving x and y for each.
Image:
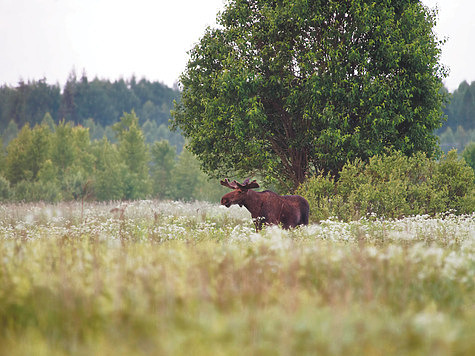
(95, 104)
(54, 162)
(83, 101)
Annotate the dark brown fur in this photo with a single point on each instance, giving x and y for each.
(267, 207)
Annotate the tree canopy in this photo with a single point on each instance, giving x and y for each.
(286, 88)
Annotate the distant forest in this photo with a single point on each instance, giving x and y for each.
(459, 129)
(81, 99)
(97, 104)
(461, 108)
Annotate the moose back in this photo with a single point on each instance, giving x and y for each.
(267, 207)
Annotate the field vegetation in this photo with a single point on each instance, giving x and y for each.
(338, 101)
(158, 278)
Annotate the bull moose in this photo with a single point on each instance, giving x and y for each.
(267, 207)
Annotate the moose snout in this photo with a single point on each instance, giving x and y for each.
(225, 202)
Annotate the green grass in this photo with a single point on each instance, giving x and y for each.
(155, 278)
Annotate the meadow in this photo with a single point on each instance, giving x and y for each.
(169, 278)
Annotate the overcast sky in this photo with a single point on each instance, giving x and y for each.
(150, 38)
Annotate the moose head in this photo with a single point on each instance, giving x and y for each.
(239, 193)
(267, 207)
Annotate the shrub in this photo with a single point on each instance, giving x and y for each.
(320, 191)
(457, 178)
(393, 186)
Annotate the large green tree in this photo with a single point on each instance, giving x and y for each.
(286, 88)
(27, 153)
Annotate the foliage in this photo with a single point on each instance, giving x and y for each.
(393, 186)
(469, 154)
(160, 278)
(26, 153)
(287, 88)
(457, 180)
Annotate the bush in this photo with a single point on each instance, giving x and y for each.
(393, 186)
(320, 191)
(458, 179)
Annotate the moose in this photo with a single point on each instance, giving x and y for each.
(267, 207)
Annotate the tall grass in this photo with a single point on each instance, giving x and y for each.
(158, 278)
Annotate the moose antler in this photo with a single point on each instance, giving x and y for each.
(227, 183)
(236, 185)
(247, 185)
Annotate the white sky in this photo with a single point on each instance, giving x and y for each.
(150, 38)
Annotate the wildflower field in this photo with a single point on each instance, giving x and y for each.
(164, 278)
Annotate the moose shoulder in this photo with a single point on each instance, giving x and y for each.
(267, 207)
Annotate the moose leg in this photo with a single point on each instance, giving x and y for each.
(258, 222)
